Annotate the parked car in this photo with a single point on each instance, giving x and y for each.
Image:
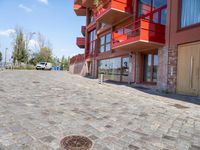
(44, 66)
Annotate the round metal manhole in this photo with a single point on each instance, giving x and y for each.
(76, 143)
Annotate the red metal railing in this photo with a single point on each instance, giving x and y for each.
(151, 16)
(106, 5)
(103, 7)
(145, 28)
(76, 59)
(88, 3)
(77, 1)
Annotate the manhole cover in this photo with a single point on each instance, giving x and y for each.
(76, 143)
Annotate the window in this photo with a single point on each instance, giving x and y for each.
(150, 67)
(144, 7)
(91, 17)
(125, 69)
(115, 69)
(92, 35)
(158, 3)
(147, 6)
(105, 43)
(190, 12)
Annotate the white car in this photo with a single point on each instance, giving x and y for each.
(44, 66)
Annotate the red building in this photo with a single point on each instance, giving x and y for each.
(150, 42)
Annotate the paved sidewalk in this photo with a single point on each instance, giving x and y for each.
(39, 108)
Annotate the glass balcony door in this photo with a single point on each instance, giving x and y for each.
(150, 68)
(149, 6)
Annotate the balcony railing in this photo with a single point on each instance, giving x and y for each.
(146, 31)
(79, 2)
(88, 3)
(83, 30)
(79, 10)
(111, 11)
(76, 59)
(80, 42)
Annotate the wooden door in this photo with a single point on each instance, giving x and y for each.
(188, 69)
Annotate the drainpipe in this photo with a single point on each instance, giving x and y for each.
(169, 38)
(135, 68)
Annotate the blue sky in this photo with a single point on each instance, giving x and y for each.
(55, 19)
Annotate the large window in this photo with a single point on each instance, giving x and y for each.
(92, 35)
(115, 69)
(105, 43)
(190, 12)
(147, 6)
(144, 7)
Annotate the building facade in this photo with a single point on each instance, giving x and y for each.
(148, 42)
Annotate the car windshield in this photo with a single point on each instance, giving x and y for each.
(42, 63)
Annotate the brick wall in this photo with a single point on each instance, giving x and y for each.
(172, 68)
(162, 68)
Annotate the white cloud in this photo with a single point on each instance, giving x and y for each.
(7, 32)
(44, 1)
(27, 9)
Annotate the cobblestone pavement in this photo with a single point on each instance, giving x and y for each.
(39, 108)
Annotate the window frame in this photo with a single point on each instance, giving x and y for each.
(91, 17)
(151, 67)
(105, 43)
(179, 28)
(92, 41)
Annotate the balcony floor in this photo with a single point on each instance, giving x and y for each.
(112, 16)
(139, 45)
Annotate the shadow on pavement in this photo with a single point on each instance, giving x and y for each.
(150, 90)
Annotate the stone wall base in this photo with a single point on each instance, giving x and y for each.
(172, 68)
(162, 69)
(79, 68)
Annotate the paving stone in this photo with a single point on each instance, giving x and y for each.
(93, 137)
(133, 147)
(171, 138)
(2, 147)
(40, 108)
(194, 147)
(47, 139)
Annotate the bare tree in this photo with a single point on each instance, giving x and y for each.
(41, 40)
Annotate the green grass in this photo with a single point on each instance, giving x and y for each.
(28, 67)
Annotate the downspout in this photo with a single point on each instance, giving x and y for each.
(135, 6)
(169, 39)
(135, 68)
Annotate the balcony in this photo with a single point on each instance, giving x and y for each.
(83, 30)
(76, 59)
(111, 11)
(140, 35)
(80, 42)
(79, 2)
(88, 3)
(79, 10)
